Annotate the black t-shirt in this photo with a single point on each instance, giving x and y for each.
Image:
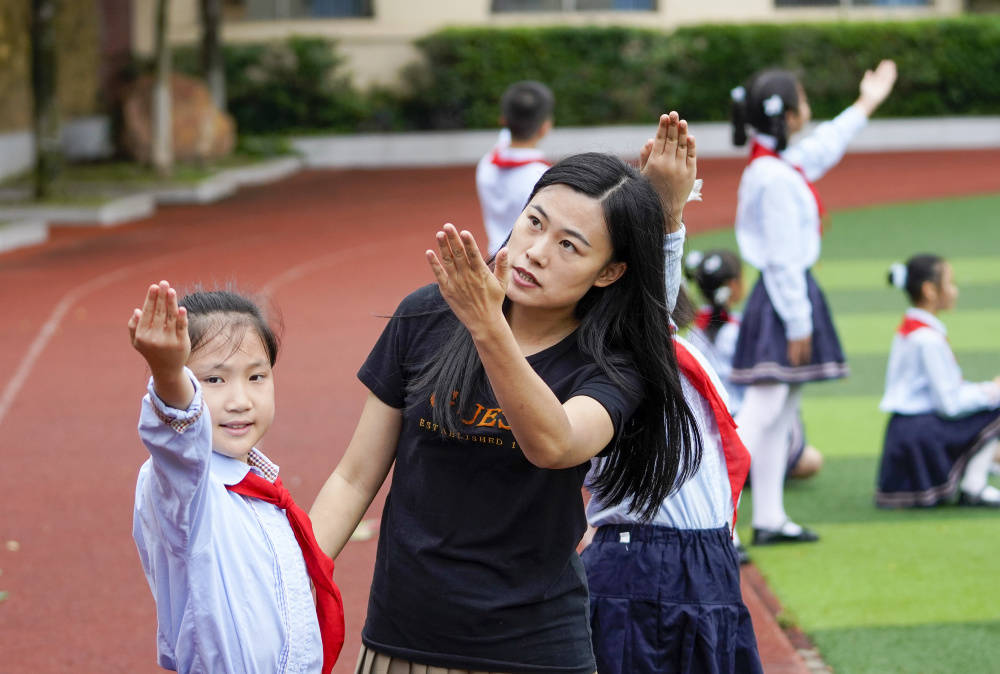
(477, 565)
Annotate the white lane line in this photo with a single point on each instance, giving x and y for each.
(50, 326)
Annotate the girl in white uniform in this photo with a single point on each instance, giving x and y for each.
(787, 337)
(718, 274)
(942, 435)
(665, 593)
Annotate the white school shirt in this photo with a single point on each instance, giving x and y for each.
(231, 587)
(923, 375)
(777, 222)
(720, 355)
(503, 192)
(705, 501)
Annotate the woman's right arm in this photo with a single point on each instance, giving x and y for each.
(355, 481)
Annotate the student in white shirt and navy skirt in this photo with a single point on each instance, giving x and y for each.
(787, 336)
(942, 435)
(665, 592)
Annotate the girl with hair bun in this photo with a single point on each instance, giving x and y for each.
(787, 337)
(943, 432)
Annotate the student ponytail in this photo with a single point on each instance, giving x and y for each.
(739, 115)
(770, 94)
(910, 277)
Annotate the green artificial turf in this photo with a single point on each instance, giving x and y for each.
(890, 591)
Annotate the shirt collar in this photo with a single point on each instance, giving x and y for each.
(768, 141)
(232, 471)
(928, 318)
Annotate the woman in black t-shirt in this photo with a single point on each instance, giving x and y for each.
(490, 391)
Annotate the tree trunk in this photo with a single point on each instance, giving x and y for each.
(212, 67)
(163, 151)
(45, 112)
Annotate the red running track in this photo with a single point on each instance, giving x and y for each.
(335, 249)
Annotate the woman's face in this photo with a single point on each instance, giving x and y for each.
(559, 248)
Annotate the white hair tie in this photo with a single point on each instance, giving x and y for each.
(712, 263)
(693, 259)
(721, 295)
(897, 274)
(738, 94)
(774, 106)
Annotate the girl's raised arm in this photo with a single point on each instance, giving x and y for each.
(159, 332)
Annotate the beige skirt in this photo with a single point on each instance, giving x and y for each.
(370, 662)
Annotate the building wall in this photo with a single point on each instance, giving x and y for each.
(377, 47)
(78, 61)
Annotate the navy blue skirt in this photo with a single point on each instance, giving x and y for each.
(924, 456)
(762, 348)
(668, 601)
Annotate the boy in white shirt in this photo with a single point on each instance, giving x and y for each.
(506, 175)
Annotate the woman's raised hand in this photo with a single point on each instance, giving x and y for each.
(876, 85)
(669, 163)
(159, 331)
(472, 290)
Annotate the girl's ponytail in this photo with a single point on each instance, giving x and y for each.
(739, 115)
(777, 125)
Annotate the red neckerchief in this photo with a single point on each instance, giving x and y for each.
(703, 318)
(505, 163)
(737, 456)
(329, 605)
(910, 324)
(757, 151)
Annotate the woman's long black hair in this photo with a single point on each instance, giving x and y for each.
(625, 324)
(751, 105)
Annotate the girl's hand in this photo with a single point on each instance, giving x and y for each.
(159, 332)
(800, 351)
(668, 161)
(876, 85)
(473, 292)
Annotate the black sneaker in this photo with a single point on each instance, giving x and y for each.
(774, 536)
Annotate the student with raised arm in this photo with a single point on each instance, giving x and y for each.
(228, 555)
(787, 337)
(489, 393)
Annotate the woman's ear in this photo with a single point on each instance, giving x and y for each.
(611, 273)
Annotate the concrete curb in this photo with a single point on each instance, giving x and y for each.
(444, 148)
(113, 212)
(120, 210)
(22, 233)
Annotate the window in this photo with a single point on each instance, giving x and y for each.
(500, 6)
(853, 3)
(296, 9)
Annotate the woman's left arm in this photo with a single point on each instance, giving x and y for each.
(550, 434)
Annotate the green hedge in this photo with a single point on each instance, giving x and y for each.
(623, 75)
(613, 75)
(283, 87)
